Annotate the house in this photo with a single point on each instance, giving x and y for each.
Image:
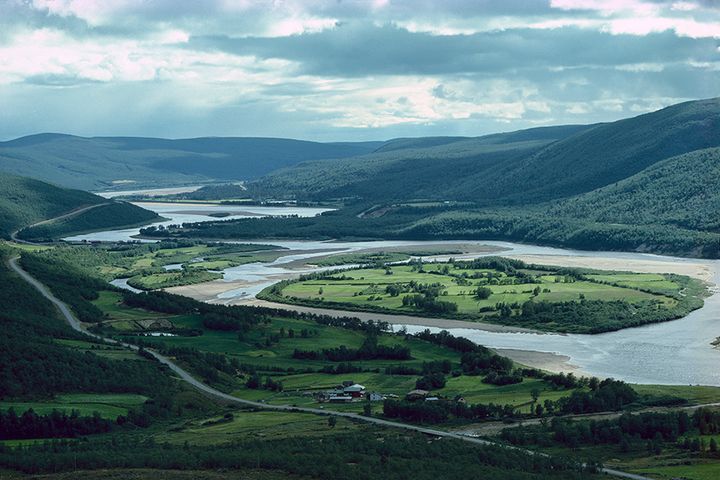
(355, 391)
(416, 395)
(375, 397)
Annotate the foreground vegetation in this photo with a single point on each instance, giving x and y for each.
(658, 444)
(276, 357)
(502, 291)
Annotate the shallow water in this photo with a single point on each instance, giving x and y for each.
(177, 213)
(676, 352)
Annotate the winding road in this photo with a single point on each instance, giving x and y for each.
(212, 392)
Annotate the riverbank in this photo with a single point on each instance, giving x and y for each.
(699, 270)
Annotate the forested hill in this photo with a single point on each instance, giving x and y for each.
(526, 167)
(103, 162)
(25, 201)
(407, 169)
(680, 191)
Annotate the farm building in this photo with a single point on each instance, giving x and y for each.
(355, 391)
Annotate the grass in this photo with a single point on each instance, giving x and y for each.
(123, 318)
(173, 278)
(695, 394)
(519, 394)
(108, 405)
(102, 350)
(248, 424)
(365, 288)
(699, 471)
(253, 348)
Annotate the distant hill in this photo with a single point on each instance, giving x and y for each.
(24, 201)
(523, 167)
(647, 183)
(104, 162)
(455, 168)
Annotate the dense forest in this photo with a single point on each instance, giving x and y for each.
(359, 455)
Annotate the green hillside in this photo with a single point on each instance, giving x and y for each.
(106, 162)
(423, 173)
(680, 191)
(25, 201)
(524, 167)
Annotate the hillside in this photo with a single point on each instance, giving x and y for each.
(408, 169)
(524, 167)
(104, 162)
(680, 191)
(25, 201)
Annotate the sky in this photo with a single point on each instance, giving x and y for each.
(354, 70)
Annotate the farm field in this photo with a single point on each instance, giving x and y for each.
(107, 405)
(302, 378)
(120, 317)
(246, 424)
(500, 291)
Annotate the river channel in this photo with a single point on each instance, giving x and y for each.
(675, 352)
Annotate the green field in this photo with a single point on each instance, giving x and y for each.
(513, 293)
(243, 424)
(107, 405)
(120, 317)
(700, 471)
(172, 278)
(367, 287)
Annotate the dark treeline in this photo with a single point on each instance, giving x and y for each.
(353, 456)
(369, 350)
(53, 425)
(442, 410)
(606, 395)
(649, 429)
(522, 224)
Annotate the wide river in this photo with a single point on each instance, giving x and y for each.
(676, 352)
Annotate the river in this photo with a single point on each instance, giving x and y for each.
(676, 352)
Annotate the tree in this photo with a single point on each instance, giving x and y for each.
(367, 409)
(332, 421)
(482, 293)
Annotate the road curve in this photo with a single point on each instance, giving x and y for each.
(72, 213)
(211, 392)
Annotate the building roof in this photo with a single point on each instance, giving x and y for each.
(418, 393)
(355, 388)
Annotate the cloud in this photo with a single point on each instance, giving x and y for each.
(351, 69)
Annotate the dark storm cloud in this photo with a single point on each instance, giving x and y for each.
(359, 49)
(346, 69)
